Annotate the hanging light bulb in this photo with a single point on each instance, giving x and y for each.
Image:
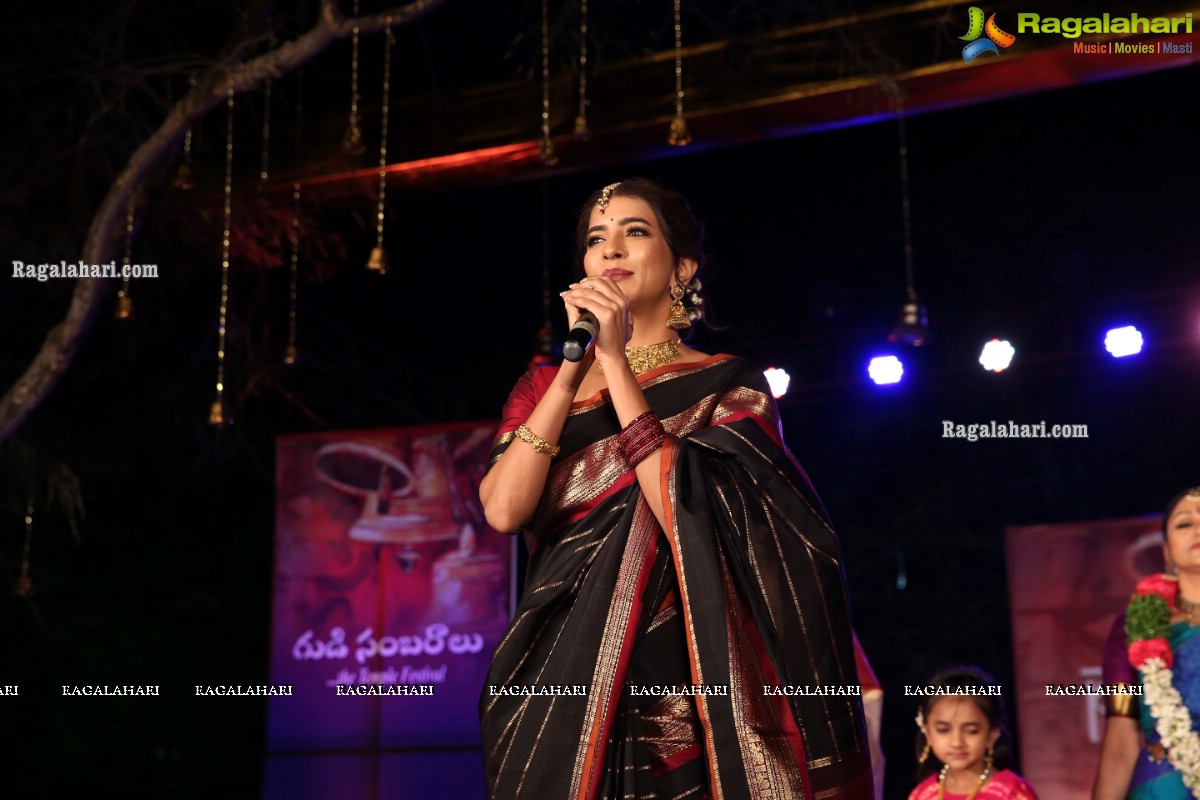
(912, 328)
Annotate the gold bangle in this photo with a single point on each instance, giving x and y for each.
(1122, 704)
(541, 445)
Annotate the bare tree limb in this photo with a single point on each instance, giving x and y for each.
(64, 339)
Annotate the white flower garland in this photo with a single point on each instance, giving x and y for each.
(1173, 723)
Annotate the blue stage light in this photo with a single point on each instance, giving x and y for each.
(885, 370)
(1121, 342)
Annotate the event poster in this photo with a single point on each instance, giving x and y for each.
(386, 576)
(1067, 583)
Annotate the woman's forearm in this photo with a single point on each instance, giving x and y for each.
(629, 403)
(511, 490)
(1118, 756)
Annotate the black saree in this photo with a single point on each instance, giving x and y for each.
(717, 655)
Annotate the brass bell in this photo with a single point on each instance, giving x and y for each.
(581, 127)
(546, 153)
(352, 142)
(216, 413)
(124, 305)
(23, 588)
(290, 355)
(912, 327)
(679, 135)
(185, 179)
(378, 261)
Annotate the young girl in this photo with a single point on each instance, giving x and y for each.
(962, 749)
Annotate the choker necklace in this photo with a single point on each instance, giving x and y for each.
(1191, 610)
(942, 782)
(651, 356)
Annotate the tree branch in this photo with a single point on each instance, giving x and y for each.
(64, 339)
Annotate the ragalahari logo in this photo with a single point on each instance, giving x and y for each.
(976, 46)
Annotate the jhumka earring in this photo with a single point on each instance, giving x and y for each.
(988, 757)
(679, 319)
(924, 754)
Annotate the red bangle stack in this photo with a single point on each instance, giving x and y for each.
(641, 438)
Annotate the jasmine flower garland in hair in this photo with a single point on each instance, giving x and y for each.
(694, 300)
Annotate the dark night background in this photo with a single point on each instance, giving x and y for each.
(1044, 219)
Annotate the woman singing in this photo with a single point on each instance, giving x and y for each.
(684, 630)
(1151, 749)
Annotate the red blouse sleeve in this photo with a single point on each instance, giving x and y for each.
(520, 404)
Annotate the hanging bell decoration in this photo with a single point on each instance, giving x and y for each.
(352, 142)
(23, 588)
(124, 306)
(912, 327)
(679, 135)
(378, 261)
(290, 355)
(546, 153)
(216, 413)
(581, 127)
(185, 179)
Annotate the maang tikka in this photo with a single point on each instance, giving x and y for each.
(605, 196)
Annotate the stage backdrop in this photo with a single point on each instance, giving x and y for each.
(386, 575)
(1067, 583)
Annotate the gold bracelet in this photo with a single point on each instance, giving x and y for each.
(541, 445)
(1122, 704)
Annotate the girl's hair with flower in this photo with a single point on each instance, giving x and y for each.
(971, 679)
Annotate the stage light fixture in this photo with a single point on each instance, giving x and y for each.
(1121, 342)
(778, 380)
(997, 355)
(885, 370)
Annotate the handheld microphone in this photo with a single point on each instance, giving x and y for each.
(579, 338)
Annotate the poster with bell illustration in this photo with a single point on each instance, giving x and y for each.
(390, 589)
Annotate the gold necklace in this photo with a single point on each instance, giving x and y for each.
(1191, 610)
(942, 782)
(650, 356)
